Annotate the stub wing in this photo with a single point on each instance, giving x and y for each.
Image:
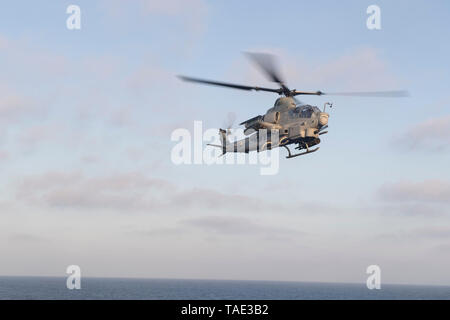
(254, 142)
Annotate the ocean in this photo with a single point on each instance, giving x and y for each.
(46, 288)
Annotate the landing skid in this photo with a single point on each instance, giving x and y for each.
(301, 153)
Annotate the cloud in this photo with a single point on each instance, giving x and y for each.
(427, 233)
(151, 76)
(362, 69)
(26, 238)
(4, 42)
(430, 135)
(412, 209)
(237, 226)
(24, 62)
(192, 9)
(3, 155)
(36, 134)
(212, 199)
(192, 14)
(119, 192)
(434, 191)
(138, 192)
(445, 247)
(157, 232)
(439, 232)
(126, 192)
(13, 106)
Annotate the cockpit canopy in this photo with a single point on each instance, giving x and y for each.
(305, 111)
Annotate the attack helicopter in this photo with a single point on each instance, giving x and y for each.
(293, 122)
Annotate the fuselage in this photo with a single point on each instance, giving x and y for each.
(283, 124)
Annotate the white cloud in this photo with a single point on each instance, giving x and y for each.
(409, 191)
(124, 192)
(131, 192)
(238, 226)
(4, 43)
(13, 106)
(119, 192)
(430, 135)
(191, 13)
(431, 234)
(361, 69)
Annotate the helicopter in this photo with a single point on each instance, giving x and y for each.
(289, 122)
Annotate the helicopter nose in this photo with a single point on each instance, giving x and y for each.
(323, 118)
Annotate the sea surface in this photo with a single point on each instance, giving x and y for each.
(44, 288)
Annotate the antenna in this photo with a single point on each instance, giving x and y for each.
(327, 104)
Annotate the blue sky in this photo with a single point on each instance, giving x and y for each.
(86, 118)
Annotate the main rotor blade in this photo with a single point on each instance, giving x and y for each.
(267, 63)
(306, 93)
(229, 85)
(375, 94)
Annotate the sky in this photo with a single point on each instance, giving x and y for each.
(86, 118)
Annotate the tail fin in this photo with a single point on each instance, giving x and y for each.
(223, 139)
